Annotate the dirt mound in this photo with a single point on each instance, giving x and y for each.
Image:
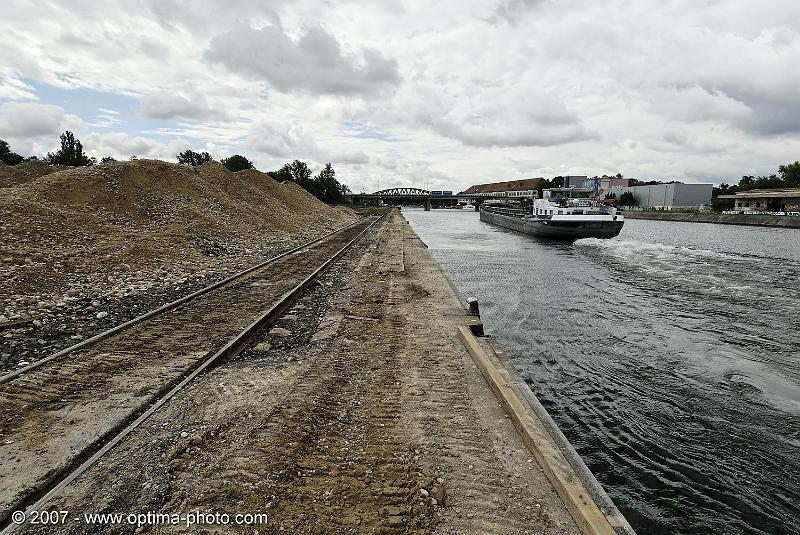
(124, 224)
(12, 175)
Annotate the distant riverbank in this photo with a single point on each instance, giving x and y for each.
(713, 217)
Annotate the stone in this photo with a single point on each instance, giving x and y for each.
(280, 331)
(184, 434)
(263, 346)
(424, 493)
(102, 314)
(437, 492)
(395, 521)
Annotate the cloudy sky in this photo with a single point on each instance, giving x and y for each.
(421, 93)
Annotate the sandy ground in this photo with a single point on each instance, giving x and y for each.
(82, 249)
(359, 412)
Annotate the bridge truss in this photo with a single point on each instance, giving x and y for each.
(416, 192)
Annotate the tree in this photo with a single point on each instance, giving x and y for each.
(324, 186)
(71, 152)
(282, 174)
(627, 199)
(106, 159)
(790, 174)
(190, 157)
(328, 189)
(300, 172)
(237, 163)
(8, 157)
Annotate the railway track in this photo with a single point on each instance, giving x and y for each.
(61, 414)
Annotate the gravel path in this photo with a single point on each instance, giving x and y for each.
(360, 412)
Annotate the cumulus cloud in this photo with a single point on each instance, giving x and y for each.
(352, 158)
(281, 141)
(503, 116)
(164, 105)
(13, 88)
(465, 92)
(119, 145)
(511, 11)
(292, 142)
(21, 120)
(314, 63)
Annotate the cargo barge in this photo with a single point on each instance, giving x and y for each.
(561, 214)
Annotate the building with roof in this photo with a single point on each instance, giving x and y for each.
(608, 184)
(669, 196)
(525, 188)
(766, 200)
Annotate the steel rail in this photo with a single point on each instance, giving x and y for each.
(163, 308)
(58, 481)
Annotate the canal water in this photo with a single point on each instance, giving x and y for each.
(669, 356)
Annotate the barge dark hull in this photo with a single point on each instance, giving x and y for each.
(561, 230)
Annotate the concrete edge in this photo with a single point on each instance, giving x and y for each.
(537, 437)
(595, 489)
(755, 220)
(596, 492)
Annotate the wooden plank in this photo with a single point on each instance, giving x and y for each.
(584, 510)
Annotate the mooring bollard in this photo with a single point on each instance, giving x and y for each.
(473, 307)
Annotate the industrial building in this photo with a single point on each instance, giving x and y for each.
(608, 184)
(669, 196)
(766, 200)
(525, 188)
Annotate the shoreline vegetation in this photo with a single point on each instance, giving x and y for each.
(758, 220)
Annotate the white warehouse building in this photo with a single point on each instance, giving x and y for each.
(669, 196)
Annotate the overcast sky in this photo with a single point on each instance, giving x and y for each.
(421, 93)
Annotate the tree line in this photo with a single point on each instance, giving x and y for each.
(788, 176)
(324, 185)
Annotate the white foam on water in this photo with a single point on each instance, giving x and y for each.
(634, 247)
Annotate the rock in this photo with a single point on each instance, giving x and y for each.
(395, 521)
(280, 331)
(437, 492)
(263, 346)
(72, 292)
(424, 493)
(184, 434)
(102, 314)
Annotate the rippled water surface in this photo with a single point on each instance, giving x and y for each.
(669, 356)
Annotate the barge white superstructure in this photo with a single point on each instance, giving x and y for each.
(561, 213)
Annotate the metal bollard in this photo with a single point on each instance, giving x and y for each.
(473, 307)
